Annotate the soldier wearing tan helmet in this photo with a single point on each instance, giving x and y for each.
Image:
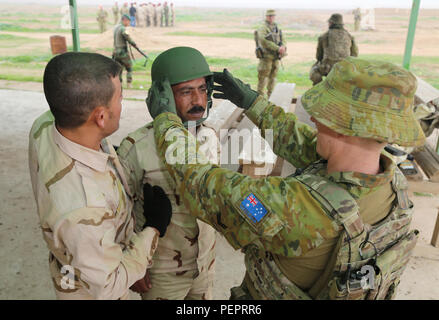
(339, 228)
(333, 46)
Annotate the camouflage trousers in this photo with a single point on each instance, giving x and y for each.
(357, 24)
(191, 285)
(127, 64)
(267, 71)
(102, 26)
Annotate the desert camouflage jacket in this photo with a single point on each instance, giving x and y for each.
(188, 243)
(85, 216)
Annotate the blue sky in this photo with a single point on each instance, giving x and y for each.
(300, 4)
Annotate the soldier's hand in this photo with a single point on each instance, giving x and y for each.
(157, 208)
(282, 51)
(233, 89)
(160, 98)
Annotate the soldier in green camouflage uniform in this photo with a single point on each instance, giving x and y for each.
(333, 46)
(307, 235)
(102, 19)
(120, 53)
(80, 187)
(185, 257)
(357, 18)
(274, 49)
(116, 13)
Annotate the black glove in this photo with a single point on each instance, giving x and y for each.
(157, 208)
(233, 89)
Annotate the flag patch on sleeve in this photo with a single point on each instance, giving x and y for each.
(253, 208)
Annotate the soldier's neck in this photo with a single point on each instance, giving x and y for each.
(356, 159)
(84, 135)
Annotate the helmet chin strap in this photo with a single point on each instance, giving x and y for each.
(200, 121)
(209, 81)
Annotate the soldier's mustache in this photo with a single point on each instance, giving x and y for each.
(196, 109)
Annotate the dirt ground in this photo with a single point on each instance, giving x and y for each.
(23, 253)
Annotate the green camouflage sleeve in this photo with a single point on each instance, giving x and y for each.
(292, 140)
(287, 221)
(127, 37)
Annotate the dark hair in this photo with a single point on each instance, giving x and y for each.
(75, 83)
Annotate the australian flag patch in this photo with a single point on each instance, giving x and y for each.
(253, 208)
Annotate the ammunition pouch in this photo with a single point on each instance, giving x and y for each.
(259, 53)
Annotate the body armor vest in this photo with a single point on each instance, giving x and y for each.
(368, 260)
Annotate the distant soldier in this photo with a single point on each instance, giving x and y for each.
(172, 14)
(160, 8)
(166, 13)
(148, 10)
(125, 9)
(133, 12)
(273, 49)
(141, 19)
(102, 19)
(154, 14)
(357, 18)
(116, 12)
(120, 53)
(333, 46)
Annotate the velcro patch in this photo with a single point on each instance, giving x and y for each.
(253, 208)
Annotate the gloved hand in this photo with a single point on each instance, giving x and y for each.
(233, 89)
(160, 98)
(157, 208)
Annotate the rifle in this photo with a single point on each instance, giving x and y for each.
(259, 52)
(142, 53)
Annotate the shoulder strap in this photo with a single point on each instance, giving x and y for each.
(400, 186)
(336, 201)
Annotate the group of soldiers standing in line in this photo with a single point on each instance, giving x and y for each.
(146, 14)
(143, 15)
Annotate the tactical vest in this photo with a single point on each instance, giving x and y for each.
(337, 47)
(273, 34)
(119, 40)
(368, 260)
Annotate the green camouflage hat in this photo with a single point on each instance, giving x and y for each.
(125, 16)
(369, 99)
(336, 18)
(270, 12)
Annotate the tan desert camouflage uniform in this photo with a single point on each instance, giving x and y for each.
(184, 261)
(313, 231)
(85, 216)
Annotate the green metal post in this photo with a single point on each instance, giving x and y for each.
(75, 28)
(411, 34)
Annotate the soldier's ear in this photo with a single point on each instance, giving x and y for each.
(99, 116)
